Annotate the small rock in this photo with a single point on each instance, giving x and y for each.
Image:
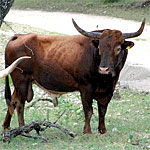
(114, 130)
(148, 146)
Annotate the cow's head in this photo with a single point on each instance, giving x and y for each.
(112, 46)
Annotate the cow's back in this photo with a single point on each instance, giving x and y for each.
(58, 63)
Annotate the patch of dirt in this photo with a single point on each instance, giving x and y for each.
(135, 77)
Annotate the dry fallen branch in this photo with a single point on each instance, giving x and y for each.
(35, 125)
(49, 124)
(35, 137)
(59, 117)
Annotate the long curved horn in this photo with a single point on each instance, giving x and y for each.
(9, 69)
(134, 34)
(85, 33)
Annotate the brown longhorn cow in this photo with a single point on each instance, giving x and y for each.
(89, 63)
(7, 71)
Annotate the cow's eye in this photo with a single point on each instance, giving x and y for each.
(117, 50)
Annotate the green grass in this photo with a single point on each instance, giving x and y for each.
(127, 9)
(128, 115)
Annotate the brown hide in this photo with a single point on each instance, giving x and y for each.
(56, 62)
(63, 64)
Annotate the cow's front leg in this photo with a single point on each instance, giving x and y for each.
(86, 96)
(102, 111)
(102, 108)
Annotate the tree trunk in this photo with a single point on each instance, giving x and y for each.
(5, 6)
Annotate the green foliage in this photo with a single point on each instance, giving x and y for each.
(129, 115)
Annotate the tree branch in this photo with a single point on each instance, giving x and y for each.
(35, 137)
(35, 125)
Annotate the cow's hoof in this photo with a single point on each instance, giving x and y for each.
(87, 132)
(6, 129)
(103, 131)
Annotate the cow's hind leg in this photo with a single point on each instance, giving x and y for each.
(11, 107)
(19, 97)
(6, 123)
(22, 94)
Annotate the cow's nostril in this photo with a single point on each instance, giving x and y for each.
(107, 69)
(104, 70)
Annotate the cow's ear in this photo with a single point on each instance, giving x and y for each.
(95, 43)
(128, 44)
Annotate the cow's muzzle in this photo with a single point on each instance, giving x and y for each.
(106, 71)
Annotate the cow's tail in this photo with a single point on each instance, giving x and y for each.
(8, 93)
